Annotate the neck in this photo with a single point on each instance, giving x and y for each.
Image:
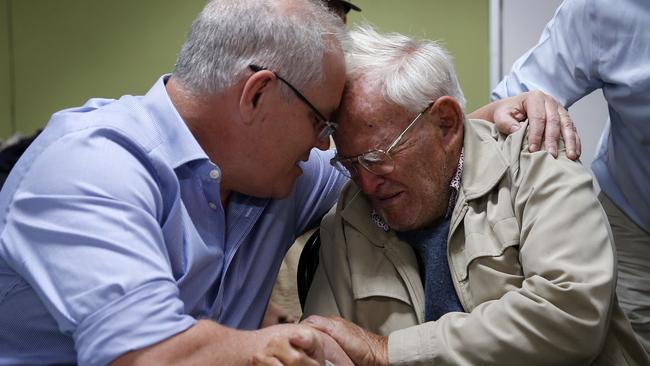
(210, 119)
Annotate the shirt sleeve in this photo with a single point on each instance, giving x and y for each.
(83, 230)
(564, 61)
(318, 189)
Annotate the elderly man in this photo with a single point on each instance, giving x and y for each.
(149, 230)
(456, 244)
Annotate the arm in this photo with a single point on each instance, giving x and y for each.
(562, 64)
(208, 343)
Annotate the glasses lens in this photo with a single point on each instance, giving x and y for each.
(377, 162)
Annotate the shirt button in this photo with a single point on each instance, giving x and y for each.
(212, 205)
(215, 174)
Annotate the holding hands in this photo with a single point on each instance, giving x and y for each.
(300, 345)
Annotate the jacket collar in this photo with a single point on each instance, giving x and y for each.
(481, 145)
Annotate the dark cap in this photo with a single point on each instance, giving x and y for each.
(348, 5)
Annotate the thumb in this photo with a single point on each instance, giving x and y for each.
(307, 340)
(508, 122)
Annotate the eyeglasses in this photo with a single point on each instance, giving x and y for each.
(378, 162)
(325, 127)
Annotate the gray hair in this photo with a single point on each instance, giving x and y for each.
(288, 37)
(411, 72)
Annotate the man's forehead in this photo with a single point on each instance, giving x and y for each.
(366, 121)
(360, 98)
(364, 105)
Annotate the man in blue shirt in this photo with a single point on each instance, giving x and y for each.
(129, 220)
(602, 44)
(145, 230)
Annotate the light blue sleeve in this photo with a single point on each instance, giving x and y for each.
(318, 189)
(83, 230)
(563, 63)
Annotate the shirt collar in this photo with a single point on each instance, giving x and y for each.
(176, 143)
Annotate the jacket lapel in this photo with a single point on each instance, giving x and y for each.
(357, 213)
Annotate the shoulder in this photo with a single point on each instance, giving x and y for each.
(93, 162)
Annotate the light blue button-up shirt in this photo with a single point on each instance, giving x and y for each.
(113, 236)
(600, 44)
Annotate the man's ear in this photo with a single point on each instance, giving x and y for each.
(449, 117)
(253, 94)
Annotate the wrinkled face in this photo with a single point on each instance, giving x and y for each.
(415, 194)
(292, 129)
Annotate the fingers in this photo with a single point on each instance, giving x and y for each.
(535, 105)
(308, 341)
(321, 323)
(299, 349)
(507, 115)
(548, 121)
(570, 135)
(293, 345)
(264, 360)
(333, 351)
(362, 346)
(552, 130)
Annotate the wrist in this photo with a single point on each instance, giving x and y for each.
(381, 351)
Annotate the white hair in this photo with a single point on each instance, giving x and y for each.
(411, 72)
(288, 37)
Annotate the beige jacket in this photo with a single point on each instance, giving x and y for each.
(530, 255)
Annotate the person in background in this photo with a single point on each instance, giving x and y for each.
(149, 229)
(341, 8)
(601, 44)
(454, 244)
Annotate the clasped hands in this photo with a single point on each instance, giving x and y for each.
(317, 339)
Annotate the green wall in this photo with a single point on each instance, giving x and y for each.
(460, 25)
(6, 125)
(67, 51)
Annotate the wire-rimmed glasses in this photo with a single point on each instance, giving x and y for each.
(377, 161)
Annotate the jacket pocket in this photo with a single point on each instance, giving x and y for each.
(379, 280)
(488, 264)
(382, 303)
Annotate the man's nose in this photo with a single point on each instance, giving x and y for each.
(367, 181)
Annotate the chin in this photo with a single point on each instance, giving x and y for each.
(403, 226)
(397, 221)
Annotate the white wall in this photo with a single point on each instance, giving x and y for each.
(521, 24)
